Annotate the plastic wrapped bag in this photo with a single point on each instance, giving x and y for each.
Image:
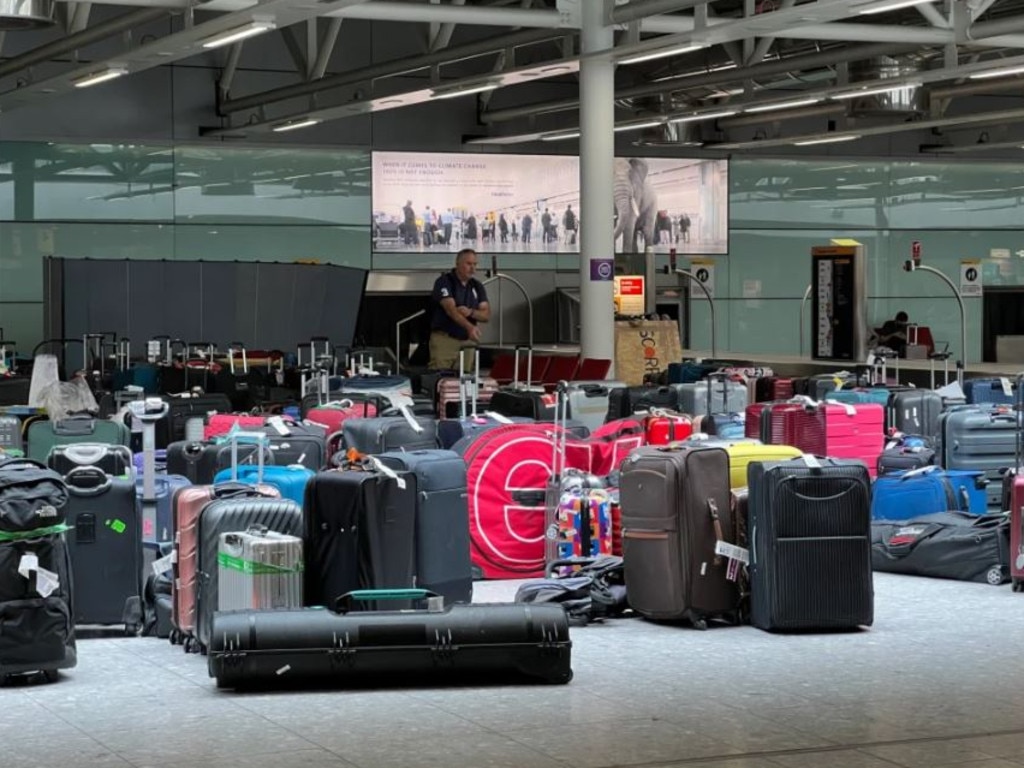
(45, 372)
(66, 398)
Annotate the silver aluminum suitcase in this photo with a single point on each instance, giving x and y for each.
(588, 401)
(259, 570)
(724, 397)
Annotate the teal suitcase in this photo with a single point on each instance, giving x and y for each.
(44, 436)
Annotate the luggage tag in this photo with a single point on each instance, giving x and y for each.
(164, 564)
(1007, 386)
(46, 581)
(277, 424)
(498, 417)
(410, 419)
(386, 471)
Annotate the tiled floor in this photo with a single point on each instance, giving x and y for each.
(938, 681)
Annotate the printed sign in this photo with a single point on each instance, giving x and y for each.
(602, 270)
(970, 279)
(629, 295)
(704, 271)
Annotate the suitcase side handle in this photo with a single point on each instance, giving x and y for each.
(75, 426)
(344, 603)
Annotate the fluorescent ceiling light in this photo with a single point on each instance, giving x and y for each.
(251, 29)
(1003, 72)
(856, 94)
(650, 56)
(456, 92)
(783, 105)
(638, 126)
(703, 116)
(894, 6)
(295, 125)
(560, 136)
(826, 140)
(100, 77)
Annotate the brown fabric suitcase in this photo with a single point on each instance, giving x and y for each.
(187, 505)
(676, 508)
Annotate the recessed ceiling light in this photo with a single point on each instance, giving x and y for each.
(237, 34)
(295, 125)
(650, 56)
(856, 94)
(102, 76)
(825, 140)
(782, 105)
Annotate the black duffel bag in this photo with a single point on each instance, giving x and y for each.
(946, 545)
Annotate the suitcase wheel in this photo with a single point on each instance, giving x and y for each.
(30, 678)
(1018, 585)
(994, 575)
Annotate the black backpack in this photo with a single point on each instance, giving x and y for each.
(594, 592)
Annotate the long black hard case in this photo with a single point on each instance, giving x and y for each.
(528, 643)
(182, 410)
(36, 633)
(360, 533)
(443, 563)
(105, 542)
(810, 560)
(226, 516)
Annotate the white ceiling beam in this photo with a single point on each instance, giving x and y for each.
(933, 15)
(326, 48)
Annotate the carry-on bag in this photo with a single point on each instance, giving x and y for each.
(898, 457)
(290, 481)
(259, 569)
(1000, 391)
(678, 534)
(43, 435)
(227, 516)
(983, 438)
(946, 545)
(928, 490)
(442, 521)
(114, 460)
(915, 412)
(390, 433)
(496, 642)
(810, 554)
(332, 415)
(219, 424)
(105, 542)
(716, 394)
(360, 531)
(662, 427)
(743, 452)
(36, 624)
(1012, 498)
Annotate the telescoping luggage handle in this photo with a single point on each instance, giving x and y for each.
(434, 601)
(529, 367)
(259, 439)
(239, 348)
(561, 428)
(469, 384)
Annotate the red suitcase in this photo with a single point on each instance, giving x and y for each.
(1013, 500)
(221, 423)
(333, 415)
(664, 427)
(839, 431)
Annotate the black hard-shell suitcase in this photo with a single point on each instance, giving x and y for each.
(233, 515)
(915, 412)
(460, 643)
(200, 462)
(901, 459)
(360, 533)
(36, 625)
(186, 416)
(442, 521)
(810, 560)
(524, 403)
(623, 402)
(676, 511)
(105, 542)
(390, 433)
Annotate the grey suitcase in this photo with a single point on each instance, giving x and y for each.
(676, 509)
(227, 515)
(980, 437)
(44, 435)
(915, 412)
(712, 396)
(105, 544)
(10, 434)
(390, 433)
(442, 521)
(588, 401)
(259, 570)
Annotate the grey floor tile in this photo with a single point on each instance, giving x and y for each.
(743, 762)
(1010, 746)
(845, 758)
(532, 707)
(306, 758)
(64, 748)
(928, 753)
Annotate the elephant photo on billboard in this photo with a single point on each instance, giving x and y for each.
(636, 205)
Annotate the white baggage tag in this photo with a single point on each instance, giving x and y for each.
(46, 582)
(387, 471)
(399, 400)
(163, 565)
(891, 444)
(28, 563)
(811, 461)
(410, 419)
(1007, 386)
(278, 425)
(499, 417)
(738, 554)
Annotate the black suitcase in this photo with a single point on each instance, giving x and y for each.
(676, 512)
(112, 459)
(915, 412)
(200, 462)
(900, 459)
(810, 564)
(360, 533)
(105, 542)
(226, 516)
(390, 433)
(517, 402)
(36, 626)
(443, 561)
(303, 444)
(623, 402)
(461, 643)
(186, 417)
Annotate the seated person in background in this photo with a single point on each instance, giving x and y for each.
(893, 334)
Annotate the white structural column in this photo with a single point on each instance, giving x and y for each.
(597, 169)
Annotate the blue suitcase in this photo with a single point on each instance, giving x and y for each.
(290, 481)
(450, 431)
(906, 495)
(164, 487)
(878, 395)
(996, 391)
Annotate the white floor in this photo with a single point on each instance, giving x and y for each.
(938, 681)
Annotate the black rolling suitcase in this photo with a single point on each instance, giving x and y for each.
(302, 444)
(678, 534)
(111, 459)
(442, 521)
(186, 416)
(810, 565)
(200, 462)
(623, 402)
(232, 516)
(105, 542)
(360, 526)
(390, 433)
(460, 643)
(37, 633)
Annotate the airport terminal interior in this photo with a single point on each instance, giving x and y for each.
(809, 201)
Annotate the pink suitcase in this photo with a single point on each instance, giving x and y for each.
(333, 415)
(837, 430)
(221, 423)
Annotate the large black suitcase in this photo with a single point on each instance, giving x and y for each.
(623, 402)
(105, 542)
(36, 626)
(497, 643)
(676, 512)
(303, 444)
(390, 433)
(947, 545)
(226, 516)
(810, 564)
(186, 416)
(443, 561)
(360, 529)
(200, 462)
(523, 403)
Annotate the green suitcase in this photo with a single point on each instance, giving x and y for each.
(43, 436)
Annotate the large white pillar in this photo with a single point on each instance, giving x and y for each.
(597, 201)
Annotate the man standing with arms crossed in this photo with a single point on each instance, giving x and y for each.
(460, 303)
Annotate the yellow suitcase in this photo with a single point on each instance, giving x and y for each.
(742, 451)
